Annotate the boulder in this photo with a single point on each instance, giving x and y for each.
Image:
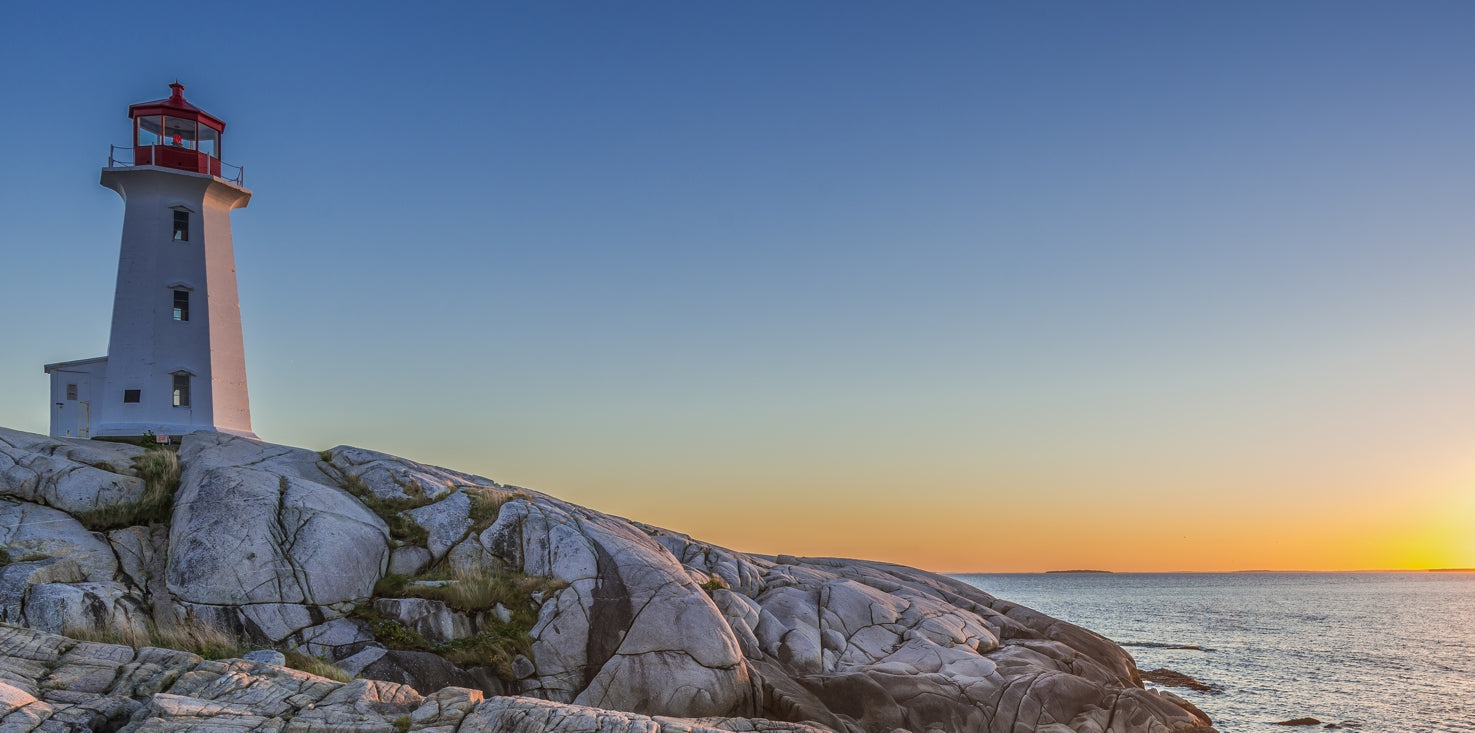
(446, 522)
(431, 619)
(409, 560)
(71, 475)
(426, 673)
(17, 579)
(34, 532)
(446, 707)
(526, 715)
(249, 535)
(266, 656)
(86, 607)
(389, 477)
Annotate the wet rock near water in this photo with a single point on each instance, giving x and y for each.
(1171, 678)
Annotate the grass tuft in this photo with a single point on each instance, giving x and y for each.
(159, 469)
(473, 592)
(315, 665)
(714, 583)
(485, 505)
(206, 641)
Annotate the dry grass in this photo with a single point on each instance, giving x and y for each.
(485, 505)
(206, 641)
(159, 470)
(315, 665)
(470, 592)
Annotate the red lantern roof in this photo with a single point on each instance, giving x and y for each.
(175, 106)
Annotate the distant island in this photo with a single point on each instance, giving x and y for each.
(1452, 570)
(1048, 572)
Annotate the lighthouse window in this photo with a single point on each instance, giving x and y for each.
(132, 395)
(179, 133)
(148, 131)
(209, 141)
(181, 390)
(181, 305)
(181, 226)
(71, 393)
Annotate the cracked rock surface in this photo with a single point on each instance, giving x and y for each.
(638, 629)
(53, 683)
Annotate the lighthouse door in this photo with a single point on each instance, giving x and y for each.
(84, 405)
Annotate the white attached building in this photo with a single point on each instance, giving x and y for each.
(176, 362)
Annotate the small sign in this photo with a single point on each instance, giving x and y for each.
(161, 439)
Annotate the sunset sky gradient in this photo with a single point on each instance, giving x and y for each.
(968, 286)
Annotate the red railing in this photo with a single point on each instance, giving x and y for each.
(169, 156)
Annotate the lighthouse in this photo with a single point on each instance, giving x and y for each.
(176, 359)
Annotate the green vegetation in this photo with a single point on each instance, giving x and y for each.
(714, 583)
(499, 641)
(401, 724)
(4, 557)
(315, 665)
(206, 641)
(400, 527)
(159, 469)
(495, 647)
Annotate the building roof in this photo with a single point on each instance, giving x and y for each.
(79, 362)
(175, 104)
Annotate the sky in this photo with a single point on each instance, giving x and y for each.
(976, 287)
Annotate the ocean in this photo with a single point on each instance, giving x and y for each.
(1368, 652)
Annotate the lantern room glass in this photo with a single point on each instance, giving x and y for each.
(209, 140)
(179, 132)
(149, 131)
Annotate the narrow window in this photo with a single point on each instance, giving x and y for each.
(181, 226)
(181, 305)
(181, 390)
(132, 395)
(71, 393)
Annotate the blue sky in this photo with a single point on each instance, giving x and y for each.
(811, 277)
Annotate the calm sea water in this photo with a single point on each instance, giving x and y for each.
(1368, 651)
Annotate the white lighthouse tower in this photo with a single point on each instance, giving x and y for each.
(176, 362)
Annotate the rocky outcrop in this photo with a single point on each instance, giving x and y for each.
(70, 474)
(53, 683)
(454, 587)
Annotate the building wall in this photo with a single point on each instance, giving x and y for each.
(73, 417)
(146, 345)
(232, 408)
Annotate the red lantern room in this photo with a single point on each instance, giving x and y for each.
(172, 133)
